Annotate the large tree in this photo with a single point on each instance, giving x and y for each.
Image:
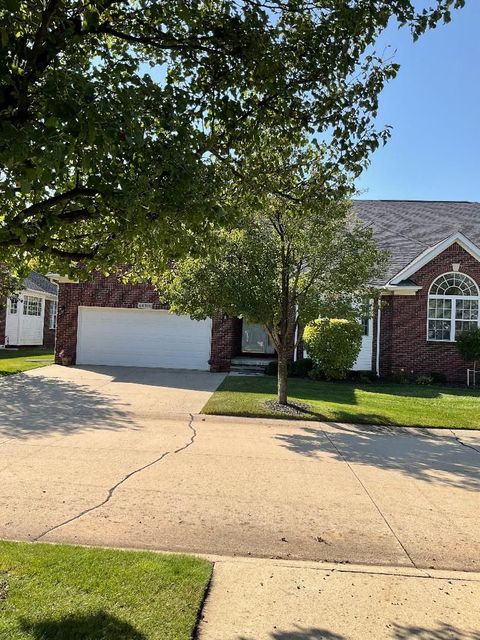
(298, 253)
(118, 118)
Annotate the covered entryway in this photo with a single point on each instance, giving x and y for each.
(142, 338)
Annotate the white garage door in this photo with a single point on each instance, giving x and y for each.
(142, 338)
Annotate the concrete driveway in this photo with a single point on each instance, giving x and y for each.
(115, 456)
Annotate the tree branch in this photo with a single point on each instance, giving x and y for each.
(48, 203)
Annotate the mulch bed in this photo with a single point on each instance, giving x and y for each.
(290, 409)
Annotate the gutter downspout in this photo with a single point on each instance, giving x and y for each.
(379, 319)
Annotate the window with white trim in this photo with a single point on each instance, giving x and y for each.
(32, 306)
(53, 315)
(13, 306)
(453, 307)
(365, 322)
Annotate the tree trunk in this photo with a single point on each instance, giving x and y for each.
(282, 376)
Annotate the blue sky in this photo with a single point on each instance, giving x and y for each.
(434, 109)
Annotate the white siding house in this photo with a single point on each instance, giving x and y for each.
(25, 321)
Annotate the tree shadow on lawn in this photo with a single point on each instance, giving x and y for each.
(95, 626)
(434, 459)
(418, 390)
(40, 406)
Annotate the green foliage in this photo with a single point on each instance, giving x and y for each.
(301, 368)
(126, 127)
(468, 345)
(362, 377)
(401, 376)
(424, 378)
(297, 369)
(438, 378)
(334, 345)
(296, 249)
(330, 255)
(11, 281)
(272, 368)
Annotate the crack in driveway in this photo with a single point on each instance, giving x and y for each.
(464, 444)
(129, 475)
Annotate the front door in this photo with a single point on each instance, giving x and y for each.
(255, 339)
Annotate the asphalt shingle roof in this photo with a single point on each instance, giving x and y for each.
(36, 282)
(406, 228)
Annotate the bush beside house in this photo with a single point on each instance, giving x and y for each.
(334, 345)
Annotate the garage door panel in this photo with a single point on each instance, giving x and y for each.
(142, 338)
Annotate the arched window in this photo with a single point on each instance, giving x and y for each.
(453, 303)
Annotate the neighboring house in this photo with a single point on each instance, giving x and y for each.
(29, 317)
(429, 293)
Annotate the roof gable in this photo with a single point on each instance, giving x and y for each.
(409, 230)
(429, 254)
(37, 282)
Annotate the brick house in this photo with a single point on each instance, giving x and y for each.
(429, 293)
(29, 317)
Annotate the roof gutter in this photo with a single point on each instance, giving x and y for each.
(59, 279)
(400, 290)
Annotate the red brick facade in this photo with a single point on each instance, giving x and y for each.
(109, 292)
(403, 336)
(226, 342)
(48, 334)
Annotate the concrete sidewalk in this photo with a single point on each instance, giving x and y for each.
(252, 599)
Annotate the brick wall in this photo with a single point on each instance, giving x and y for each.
(226, 341)
(48, 334)
(403, 337)
(109, 292)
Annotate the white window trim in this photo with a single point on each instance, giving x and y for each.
(453, 299)
(12, 301)
(52, 321)
(39, 302)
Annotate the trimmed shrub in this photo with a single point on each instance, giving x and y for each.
(424, 379)
(468, 345)
(401, 376)
(438, 377)
(300, 368)
(333, 345)
(364, 377)
(272, 368)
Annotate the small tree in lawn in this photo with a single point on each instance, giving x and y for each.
(468, 346)
(297, 249)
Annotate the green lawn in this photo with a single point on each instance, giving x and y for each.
(389, 404)
(57, 592)
(17, 360)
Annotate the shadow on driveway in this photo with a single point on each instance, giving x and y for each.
(435, 459)
(40, 406)
(440, 631)
(185, 379)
